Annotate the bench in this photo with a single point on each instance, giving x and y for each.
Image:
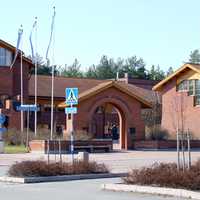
(92, 148)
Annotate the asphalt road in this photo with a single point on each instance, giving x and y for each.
(72, 190)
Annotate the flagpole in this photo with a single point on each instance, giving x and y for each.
(36, 75)
(52, 35)
(52, 102)
(21, 86)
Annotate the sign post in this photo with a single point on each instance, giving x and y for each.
(71, 99)
(2, 130)
(28, 108)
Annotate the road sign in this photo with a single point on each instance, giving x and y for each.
(27, 107)
(71, 96)
(70, 110)
(2, 118)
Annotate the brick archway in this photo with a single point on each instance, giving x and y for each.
(128, 105)
(124, 118)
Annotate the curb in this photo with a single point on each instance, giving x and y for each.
(152, 190)
(59, 178)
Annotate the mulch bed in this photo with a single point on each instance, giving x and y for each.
(166, 175)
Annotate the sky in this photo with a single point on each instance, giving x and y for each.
(161, 32)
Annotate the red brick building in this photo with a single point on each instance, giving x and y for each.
(102, 103)
(10, 83)
(181, 100)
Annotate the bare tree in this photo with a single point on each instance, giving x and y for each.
(179, 115)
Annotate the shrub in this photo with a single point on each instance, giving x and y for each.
(14, 137)
(82, 135)
(166, 175)
(156, 133)
(43, 134)
(42, 168)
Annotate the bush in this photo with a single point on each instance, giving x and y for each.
(166, 175)
(14, 137)
(43, 134)
(156, 133)
(42, 168)
(82, 135)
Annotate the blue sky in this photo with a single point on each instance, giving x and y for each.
(161, 32)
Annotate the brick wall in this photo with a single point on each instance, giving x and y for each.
(129, 108)
(10, 85)
(171, 111)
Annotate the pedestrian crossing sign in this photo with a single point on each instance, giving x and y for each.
(71, 96)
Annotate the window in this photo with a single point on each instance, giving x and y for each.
(5, 57)
(197, 87)
(191, 87)
(182, 86)
(197, 100)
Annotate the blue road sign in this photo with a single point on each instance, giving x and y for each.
(2, 118)
(27, 107)
(70, 110)
(71, 96)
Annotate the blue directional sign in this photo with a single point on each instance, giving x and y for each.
(27, 107)
(71, 96)
(70, 110)
(2, 118)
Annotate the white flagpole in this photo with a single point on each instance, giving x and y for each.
(22, 88)
(52, 82)
(52, 35)
(36, 60)
(52, 102)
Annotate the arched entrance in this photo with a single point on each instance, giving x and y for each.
(108, 120)
(128, 104)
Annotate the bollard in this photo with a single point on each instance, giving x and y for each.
(83, 156)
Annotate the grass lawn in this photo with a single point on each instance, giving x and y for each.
(15, 149)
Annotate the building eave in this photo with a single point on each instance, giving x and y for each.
(176, 73)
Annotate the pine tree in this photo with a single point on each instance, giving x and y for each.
(195, 57)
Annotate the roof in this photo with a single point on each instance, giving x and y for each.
(13, 49)
(87, 88)
(194, 67)
(60, 83)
